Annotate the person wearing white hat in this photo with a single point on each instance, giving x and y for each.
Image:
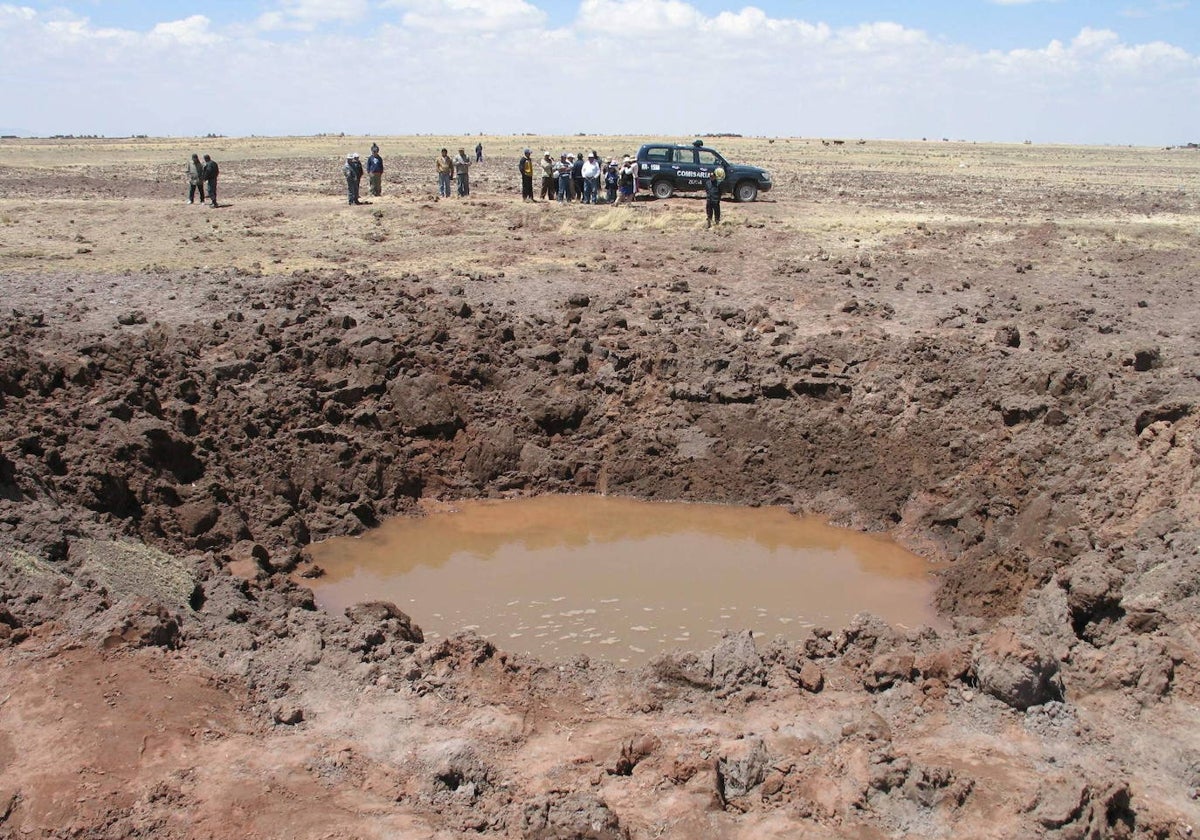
(591, 177)
(353, 170)
(626, 181)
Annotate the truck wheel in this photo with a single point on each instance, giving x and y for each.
(746, 191)
(663, 189)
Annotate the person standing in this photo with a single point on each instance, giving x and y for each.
(462, 166)
(625, 182)
(549, 190)
(353, 172)
(712, 197)
(591, 178)
(195, 179)
(610, 181)
(210, 171)
(525, 167)
(562, 170)
(375, 171)
(577, 176)
(445, 170)
(479, 153)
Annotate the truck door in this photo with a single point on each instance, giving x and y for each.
(687, 176)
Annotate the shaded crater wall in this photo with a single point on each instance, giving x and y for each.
(304, 414)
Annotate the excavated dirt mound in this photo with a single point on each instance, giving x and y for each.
(990, 352)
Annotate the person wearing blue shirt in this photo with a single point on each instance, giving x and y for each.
(375, 170)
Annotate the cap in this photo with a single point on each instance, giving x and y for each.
(350, 156)
(528, 151)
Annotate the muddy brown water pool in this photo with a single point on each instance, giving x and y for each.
(619, 579)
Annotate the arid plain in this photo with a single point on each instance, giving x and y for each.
(991, 352)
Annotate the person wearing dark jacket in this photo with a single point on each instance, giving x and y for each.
(375, 171)
(195, 179)
(525, 167)
(353, 170)
(210, 171)
(577, 177)
(712, 197)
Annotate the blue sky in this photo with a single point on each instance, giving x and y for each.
(983, 24)
(1105, 71)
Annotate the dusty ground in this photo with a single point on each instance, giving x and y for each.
(990, 351)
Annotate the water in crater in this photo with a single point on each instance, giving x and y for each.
(619, 579)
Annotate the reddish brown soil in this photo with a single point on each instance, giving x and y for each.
(999, 364)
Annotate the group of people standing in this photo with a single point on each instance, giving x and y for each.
(573, 177)
(202, 175)
(353, 171)
(457, 168)
(578, 177)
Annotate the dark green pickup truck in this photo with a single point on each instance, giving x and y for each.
(665, 169)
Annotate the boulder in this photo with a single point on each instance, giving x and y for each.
(1016, 670)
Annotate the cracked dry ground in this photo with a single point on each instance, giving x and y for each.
(989, 351)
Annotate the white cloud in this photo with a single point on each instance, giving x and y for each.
(191, 31)
(639, 19)
(468, 15)
(506, 70)
(308, 15)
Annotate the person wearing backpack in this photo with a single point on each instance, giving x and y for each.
(210, 171)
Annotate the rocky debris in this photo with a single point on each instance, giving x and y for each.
(807, 675)
(632, 752)
(928, 787)
(888, 669)
(1072, 807)
(742, 768)
(379, 621)
(1008, 336)
(732, 665)
(870, 726)
(570, 816)
(1016, 670)
(287, 713)
(143, 625)
(1143, 359)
